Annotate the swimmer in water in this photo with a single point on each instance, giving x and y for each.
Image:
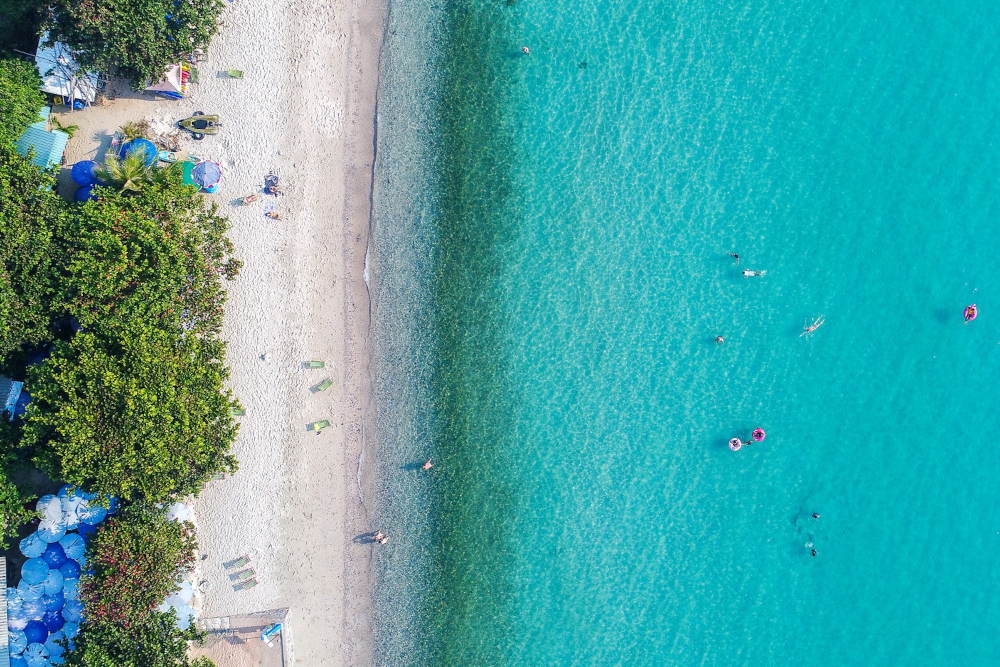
(525, 50)
(428, 465)
(813, 552)
(719, 340)
(734, 255)
(815, 515)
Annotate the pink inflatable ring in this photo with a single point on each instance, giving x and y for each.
(758, 435)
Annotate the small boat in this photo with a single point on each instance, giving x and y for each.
(199, 124)
(735, 444)
(747, 273)
(166, 156)
(971, 313)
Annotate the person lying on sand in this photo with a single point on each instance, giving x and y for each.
(273, 215)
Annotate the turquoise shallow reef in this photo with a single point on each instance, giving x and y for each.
(550, 271)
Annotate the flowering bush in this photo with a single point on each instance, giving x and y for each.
(138, 558)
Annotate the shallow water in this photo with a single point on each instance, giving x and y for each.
(550, 267)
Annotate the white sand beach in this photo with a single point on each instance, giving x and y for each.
(304, 109)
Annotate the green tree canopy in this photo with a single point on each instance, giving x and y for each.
(138, 558)
(20, 97)
(155, 254)
(137, 38)
(131, 410)
(30, 212)
(154, 642)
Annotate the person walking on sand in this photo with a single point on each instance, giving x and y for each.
(428, 465)
(733, 254)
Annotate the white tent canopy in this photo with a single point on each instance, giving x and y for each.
(60, 73)
(170, 83)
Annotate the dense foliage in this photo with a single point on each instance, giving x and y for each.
(138, 558)
(128, 409)
(20, 97)
(30, 214)
(155, 254)
(19, 22)
(136, 38)
(156, 641)
(12, 502)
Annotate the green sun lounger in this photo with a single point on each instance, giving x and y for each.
(245, 585)
(324, 385)
(315, 426)
(244, 575)
(242, 561)
(235, 73)
(238, 412)
(316, 364)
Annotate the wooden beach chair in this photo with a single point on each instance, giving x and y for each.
(316, 364)
(324, 385)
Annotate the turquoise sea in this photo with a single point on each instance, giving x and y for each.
(550, 272)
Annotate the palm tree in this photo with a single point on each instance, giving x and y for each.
(128, 174)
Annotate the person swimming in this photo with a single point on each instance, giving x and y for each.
(815, 515)
(719, 340)
(734, 255)
(428, 465)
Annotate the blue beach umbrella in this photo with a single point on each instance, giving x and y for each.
(55, 649)
(36, 655)
(141, 146)
(54, 602)
(71, 589)
(17, 621)
(72, 545)
(70, 570)
(18, 661)
(16, 642)
(54, 554)
(50, 531)
(206, 173)
(33, 610)
(35, 632)
(71, 630)
(33, 546)
(85, 193)
(54, 582)
(14, 600)
(82, 172)
(91, 514)
(34, 570)
(73, 611)
(54, 621)
(29, 592)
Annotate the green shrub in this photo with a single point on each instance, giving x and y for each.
(136, 38)
(20, 97)
(133, 411)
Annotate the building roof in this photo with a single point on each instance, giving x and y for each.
(60, 73)
(48, 145)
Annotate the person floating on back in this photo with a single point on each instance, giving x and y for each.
(733, 254)
(971, 312)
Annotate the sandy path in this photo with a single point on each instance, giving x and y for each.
(305, 110)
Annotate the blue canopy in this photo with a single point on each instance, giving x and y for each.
(54, 582)
(17, 641)
(30, 591)
(140, 145)
(73, 546)
(35, 571)
(36, 632)
(54, 554)
(33, 546)
(70, 570)
(85, 193)
(83, 172)
(36, 654)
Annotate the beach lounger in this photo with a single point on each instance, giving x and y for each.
(316, 426)
(316, 364)
(238, 412)
(324, 385)
(242, 561)
(235, 73)
(218, 475)
(243, 575)
(245, 585)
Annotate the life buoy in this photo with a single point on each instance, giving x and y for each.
(758, 435)
(735, 444)
(971, 312)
